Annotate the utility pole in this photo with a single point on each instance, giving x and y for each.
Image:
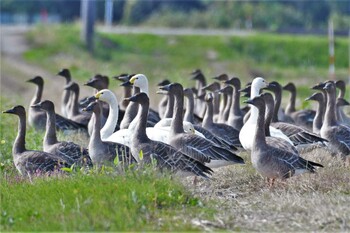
(108, 13)
(87, 13)
(331, 50)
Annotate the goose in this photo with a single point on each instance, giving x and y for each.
(141, 81)
(298, 135)
(337, 134)
(273, 160)
(191, 144)
(189, 117)
(223, 131)
(226, 91)
(213, 88)
(163, 103)
(127, 89)
(201, 82)
(104, 153)
(302, 117)
(122, 136)
(168, 109)
(235, 118)
(37, 117)
(65, 73)
(166, 156)
(223, 100)
(278, 115)
(340, 84)
(189, 112)
(69, 151)
(318, 119)
(74, 114)
(247, 132)
(29, 162)
(98, 82)
(341, 102)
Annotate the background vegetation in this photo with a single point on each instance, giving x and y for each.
(293, 16)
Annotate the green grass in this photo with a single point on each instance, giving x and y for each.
(134, 201)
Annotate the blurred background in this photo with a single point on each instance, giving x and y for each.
(302, 16)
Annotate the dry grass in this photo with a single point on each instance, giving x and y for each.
(310, 202)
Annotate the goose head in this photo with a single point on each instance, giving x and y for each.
(226, 90)
(319, 86)
(45, 105)
(173, 88)
(257, 101)
(246, 91)
(340, 84)
(93, 107)
(188, 127)
(329, 87)
(290, 87)
(163, 83)
(214, 86)
(259, 83)
(72, 86)
(65, 73)
(38, 80)
(16, 110)
(342, 102)
(221, 77)
(139, 80)
(197, 75)
(188, 92)
(140, 98)
(234, 82)
(316, 97)
(98, 81)
(122, 77)
(105, 95)
(274, 86)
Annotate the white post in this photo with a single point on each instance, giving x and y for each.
(331, 50)
(108, 13)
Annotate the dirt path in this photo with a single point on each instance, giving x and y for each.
(15, 70)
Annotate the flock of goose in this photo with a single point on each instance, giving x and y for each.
(193, 131)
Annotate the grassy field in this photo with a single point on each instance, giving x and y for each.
(236, 198)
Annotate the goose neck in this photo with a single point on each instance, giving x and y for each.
(139, 133)
(259, 137)
(38, 94)
(19, 144)
(112, 119)
(189, 109)
(235, 108)
(177, 123)
(50, 137)
(208, 117)
(278, 99)
(291, 105)
(329, 118)
(170, 107)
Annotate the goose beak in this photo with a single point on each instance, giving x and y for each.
(36, 106)
(132, 80)
(126, 84)
(248, 101)
(89, 100)
(165, 88)
(90, 82)
(132, 98)
(9, 111)
(97, 95)
(162, 92)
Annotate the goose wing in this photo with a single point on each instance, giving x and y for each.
(298, 135)
(64, 124)
(206, 147)
(73, 153)
(210, 136)
(228, 134)
(170, 158)
(342, 135)
(39, 161)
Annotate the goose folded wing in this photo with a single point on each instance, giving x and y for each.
(170, 158)
(44, 162)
